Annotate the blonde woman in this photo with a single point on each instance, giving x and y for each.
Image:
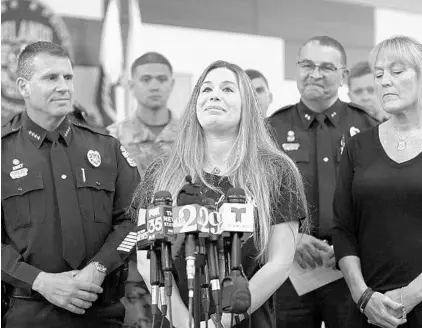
(224, 143)
(378, 201)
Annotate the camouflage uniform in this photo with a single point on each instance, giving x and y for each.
(143, 146)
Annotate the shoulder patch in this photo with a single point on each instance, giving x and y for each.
(282, 109)
(13, 126)
(371, 121)
(126, 155)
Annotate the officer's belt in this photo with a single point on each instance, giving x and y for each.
(26, 294)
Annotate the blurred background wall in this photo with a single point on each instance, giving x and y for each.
(260, 34)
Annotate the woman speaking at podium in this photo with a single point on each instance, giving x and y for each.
(224, 143)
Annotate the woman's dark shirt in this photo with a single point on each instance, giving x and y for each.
(378, 213)
(285, 211)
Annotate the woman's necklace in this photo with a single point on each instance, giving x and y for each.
(401, 145)
(215, 170)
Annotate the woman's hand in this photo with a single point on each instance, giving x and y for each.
(309, 252)
(409, 299)
(380, 309)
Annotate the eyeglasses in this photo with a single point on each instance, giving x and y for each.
(325, 68)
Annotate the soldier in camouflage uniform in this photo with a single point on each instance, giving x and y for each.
(147, 133)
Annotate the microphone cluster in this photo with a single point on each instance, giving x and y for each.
(213, 238)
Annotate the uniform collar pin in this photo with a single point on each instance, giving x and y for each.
(353, 131)
(290, 136)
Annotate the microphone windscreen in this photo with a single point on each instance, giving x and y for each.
(189, 194)
(236, 195)
(162, 196)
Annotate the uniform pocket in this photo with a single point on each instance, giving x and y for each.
(95, 189)
(23, 201)
(300, 155)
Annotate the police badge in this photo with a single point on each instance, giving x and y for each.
(94, 158)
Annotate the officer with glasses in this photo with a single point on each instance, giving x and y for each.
(313, 133)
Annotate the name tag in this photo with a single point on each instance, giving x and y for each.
(290, 146)
(19, 173)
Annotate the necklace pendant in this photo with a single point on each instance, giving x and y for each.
(401, 145)
(215, 171)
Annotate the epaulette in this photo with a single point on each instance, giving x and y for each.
(13, 126)
(355, 106)
(86, 126)
(282, 109)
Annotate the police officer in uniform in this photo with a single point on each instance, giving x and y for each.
(66, 190)
(313, 133)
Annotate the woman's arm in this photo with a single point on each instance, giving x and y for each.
(351, 268)
(180, 312)
(273, 274)
(411, 294)
(380, 310)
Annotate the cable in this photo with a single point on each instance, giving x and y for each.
(170, 310)
(218, 316)
(207, 317)
(205, 293)
(166, 261)
(162, 321)
(190, 308)
(153, 320)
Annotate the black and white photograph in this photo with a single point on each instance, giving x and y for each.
(211, 164)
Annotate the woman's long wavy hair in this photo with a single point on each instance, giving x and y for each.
(255, 163)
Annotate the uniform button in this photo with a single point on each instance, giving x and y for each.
(97, 183)
(325, 159)
(19, 188)
(64, 176)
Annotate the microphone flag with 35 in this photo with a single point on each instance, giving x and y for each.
(155, 234)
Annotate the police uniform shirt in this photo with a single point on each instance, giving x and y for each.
(294, 128)
(31, 228)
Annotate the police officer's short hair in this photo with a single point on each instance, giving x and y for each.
(25, 61)
(328, 41)
(254, 74)
(150, 58)
(358, 70)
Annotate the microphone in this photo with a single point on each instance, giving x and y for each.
(238, 224)
(160, 233)
(190, 217)
(164, 198)
(215, 224)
